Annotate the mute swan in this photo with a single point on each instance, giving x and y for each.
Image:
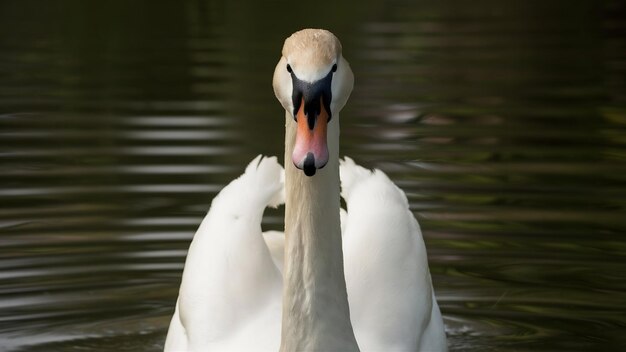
(369, 289)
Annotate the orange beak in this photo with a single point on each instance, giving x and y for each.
(311, 151)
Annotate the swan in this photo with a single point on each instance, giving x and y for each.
(336, 280)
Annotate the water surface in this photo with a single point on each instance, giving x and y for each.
(503, 121)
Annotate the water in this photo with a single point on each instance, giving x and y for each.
(503, 122)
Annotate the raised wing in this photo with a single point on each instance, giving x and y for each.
(392, 305)
(230, 281)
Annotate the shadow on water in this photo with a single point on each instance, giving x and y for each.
(503, 122)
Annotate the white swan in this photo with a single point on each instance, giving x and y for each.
(237, 291)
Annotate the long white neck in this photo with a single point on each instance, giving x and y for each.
(316, 316)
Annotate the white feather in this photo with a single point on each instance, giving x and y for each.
(231, 294)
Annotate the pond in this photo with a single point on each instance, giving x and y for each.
(503, 121)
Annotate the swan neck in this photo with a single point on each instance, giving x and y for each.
(316, 315)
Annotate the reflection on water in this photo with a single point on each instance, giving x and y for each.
(504, 123)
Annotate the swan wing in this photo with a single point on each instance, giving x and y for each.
(392, 305)
(230, 283)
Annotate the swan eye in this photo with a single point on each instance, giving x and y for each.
(335, 68)
(289, 68)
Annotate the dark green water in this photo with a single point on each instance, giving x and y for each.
(504, 121)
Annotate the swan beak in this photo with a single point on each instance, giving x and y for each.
(310, 151)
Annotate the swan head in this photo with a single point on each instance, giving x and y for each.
(312, 81)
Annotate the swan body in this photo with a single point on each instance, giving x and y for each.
(335, 280)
